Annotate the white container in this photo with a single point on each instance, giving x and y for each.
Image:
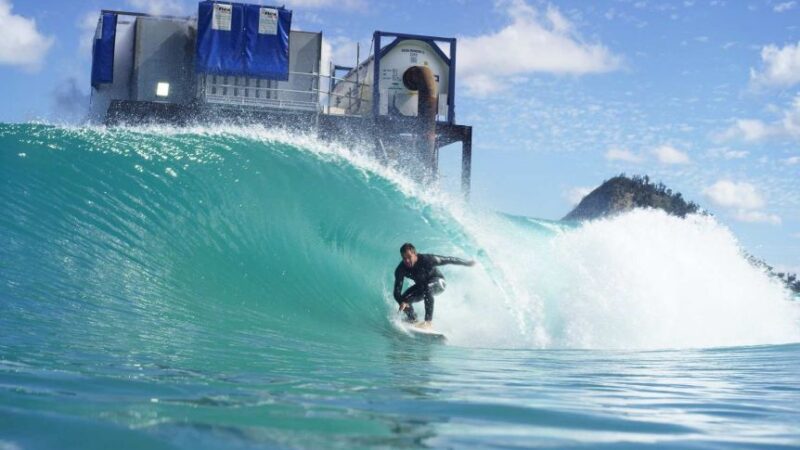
(353, 94)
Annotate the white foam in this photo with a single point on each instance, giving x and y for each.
(639, 280)
(358, 157)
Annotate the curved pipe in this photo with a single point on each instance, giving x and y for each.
(421, 79)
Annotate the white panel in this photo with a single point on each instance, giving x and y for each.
(221, 17)
(442, 105)
(268, 21)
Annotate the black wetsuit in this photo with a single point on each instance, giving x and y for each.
(428, 281)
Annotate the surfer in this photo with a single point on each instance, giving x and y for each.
(428, 280)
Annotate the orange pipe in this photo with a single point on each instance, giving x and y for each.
(421, 79)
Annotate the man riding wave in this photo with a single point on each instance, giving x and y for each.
(428, 280)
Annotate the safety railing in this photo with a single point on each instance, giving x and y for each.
(301, 93)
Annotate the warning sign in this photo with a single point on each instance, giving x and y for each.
(221, 19)
(268, 21)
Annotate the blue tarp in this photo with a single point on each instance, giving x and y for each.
(103, 50)
(243, 40)
(267, 49)
(220, 51)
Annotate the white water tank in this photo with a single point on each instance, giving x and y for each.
(354, 94)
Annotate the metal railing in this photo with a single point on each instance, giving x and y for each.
(300, 93)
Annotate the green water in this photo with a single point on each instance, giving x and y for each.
(230, 289)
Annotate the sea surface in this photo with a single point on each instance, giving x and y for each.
(229, 287)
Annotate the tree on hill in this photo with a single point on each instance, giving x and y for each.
(623, 193)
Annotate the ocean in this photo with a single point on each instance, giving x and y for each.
(230, 287)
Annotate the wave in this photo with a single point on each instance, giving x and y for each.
(168, 240)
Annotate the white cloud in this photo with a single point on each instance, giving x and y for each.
(787, 126)
(340, 50)
(757, 217)
(621, 154)
(532, 42)
(791, 161)
(667, 154)
(87, 25)
(21, 43)
(796, 236)
(735, 154)
(576, 194)
(730, 194)
(160, 7)
(747, 129)
(790, 124)
(781, 66)
(785, 6)
(743, 199)
(727, 153)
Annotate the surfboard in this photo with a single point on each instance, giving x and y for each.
(427, 333)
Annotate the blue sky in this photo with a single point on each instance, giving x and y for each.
(703, 95)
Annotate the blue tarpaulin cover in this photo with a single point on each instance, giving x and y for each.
(267, 49)
(103, 50)
(243, 40)
(220, 51)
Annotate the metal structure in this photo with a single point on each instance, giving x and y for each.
(153, 68)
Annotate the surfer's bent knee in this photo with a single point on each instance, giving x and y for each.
(437, 286)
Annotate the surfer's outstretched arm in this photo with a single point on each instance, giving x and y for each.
(442, 260)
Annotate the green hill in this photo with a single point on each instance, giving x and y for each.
(622, 193)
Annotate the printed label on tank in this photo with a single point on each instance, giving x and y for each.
(221, 19)
(268, 21)
(413, 54)
(390, 75)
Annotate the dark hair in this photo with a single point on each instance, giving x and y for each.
(406, 247)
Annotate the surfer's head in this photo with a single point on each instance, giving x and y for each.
(409, 254)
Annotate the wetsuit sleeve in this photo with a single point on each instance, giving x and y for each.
(398, 284)
(442, 260)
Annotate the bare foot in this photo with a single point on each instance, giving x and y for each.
(424, 325)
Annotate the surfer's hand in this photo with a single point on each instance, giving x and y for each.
(471, 263)
(403, 306)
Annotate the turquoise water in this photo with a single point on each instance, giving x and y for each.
(228, 288)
